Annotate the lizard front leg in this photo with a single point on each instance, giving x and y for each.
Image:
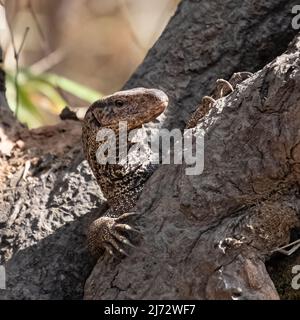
(104, 234)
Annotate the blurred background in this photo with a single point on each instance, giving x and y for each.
(71, 52)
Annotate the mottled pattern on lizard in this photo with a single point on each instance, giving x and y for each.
(222, 89)
(120, 184)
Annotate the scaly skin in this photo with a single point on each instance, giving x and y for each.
(120, 184)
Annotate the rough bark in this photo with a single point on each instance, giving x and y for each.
(44, 214)
(185, 219)
(207, 40)
(208, 236)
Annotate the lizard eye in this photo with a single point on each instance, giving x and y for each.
(119, 103)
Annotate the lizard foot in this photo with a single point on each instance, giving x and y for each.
(104, 234)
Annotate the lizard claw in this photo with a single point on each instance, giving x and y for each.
(126, 227)
(126, 215)
(124, 240)
(109, 249)
(224, 87)
(103, 234)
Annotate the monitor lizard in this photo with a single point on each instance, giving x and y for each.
(122, 184)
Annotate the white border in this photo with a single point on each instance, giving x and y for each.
(2, 278)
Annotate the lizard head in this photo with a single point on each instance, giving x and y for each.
(136, 107)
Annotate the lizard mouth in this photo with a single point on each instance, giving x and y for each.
(158, 111)
(164, 104)
(162, 107)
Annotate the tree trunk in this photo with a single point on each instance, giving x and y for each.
(205, 236)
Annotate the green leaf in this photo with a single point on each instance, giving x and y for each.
(31, 85)
(76, 89)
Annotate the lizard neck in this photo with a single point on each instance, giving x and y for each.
(121, 184)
